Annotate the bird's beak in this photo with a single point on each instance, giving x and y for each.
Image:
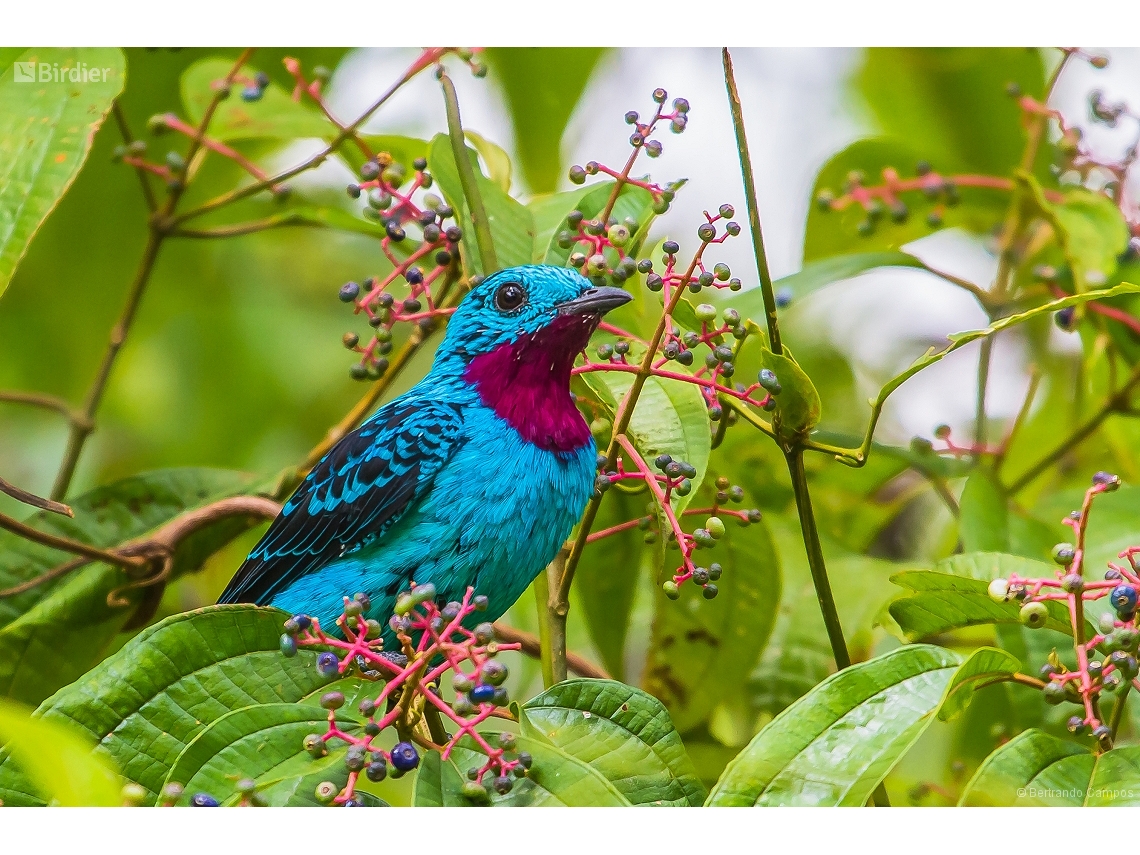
(595, 301)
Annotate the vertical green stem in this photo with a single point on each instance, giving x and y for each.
(557, 609)
(985, 357)
(475, 205)
(542, 603)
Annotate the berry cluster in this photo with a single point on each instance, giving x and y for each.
(1117, 638)
(672, 478)
(433, 642)
(397, 200)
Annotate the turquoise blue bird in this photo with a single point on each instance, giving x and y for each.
(474, 477)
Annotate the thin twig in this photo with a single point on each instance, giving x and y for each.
(128, 138)
(38, 399)
(531, 646)
(35, 501)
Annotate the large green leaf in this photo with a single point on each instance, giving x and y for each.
(951, 104)
(955, 595)
(831, 233)
(46, 129)
(263, 743)
(275, 115)
(984, 518)
(148, 701)
(835, 745)
(623, 733)
(556, 779)
(703, 650)
(56, 760)
(1036, 769)
(542, 86)
(816, 275)
(670, 418)
(52, 633)
(511, 224)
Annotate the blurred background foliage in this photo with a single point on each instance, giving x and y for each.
(235, 360)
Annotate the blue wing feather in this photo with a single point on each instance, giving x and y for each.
(358, 490)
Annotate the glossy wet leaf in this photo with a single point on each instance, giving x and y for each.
(511, 224)
(670, 418)
(56, 760)
(984, 518)
(274, 115)
(145, 703)
(621, 732)
(542, 85)
(53, 632)
(263, 743)
(46, 130)
(557, 779)
(833, 746)
(1036, 769)
(955, 595)
(702, 650)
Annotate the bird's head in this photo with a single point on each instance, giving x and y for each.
(553, 307)
(514, 338)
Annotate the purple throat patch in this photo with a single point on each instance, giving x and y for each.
(527, 383)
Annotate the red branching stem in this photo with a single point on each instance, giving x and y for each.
(176, 124)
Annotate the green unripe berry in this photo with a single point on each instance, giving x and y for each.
(671, 590)
(315, 746)
(1072, 583)
(1033, 615)
(715, 527)
(474, 791)
(1054, 693)
(705, 313)
(1063, 554)
(326, 792)
(134, 795)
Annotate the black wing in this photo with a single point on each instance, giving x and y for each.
(357, 491)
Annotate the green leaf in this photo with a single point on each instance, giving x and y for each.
(46, 130)
(556, 779)
(985, 664)
(837, 233)
(1090, 228)
(512, 225)
(703, 650)
(1036, 769)
(52, 633)
(497, 161)
(816, 275)
(149, 700)
(951, 104)
(833, 746)
(607, 577)
(262, 742)
(797, 406)
(633, 202)
(670, 418)
(542, 86)
(57, 760)
(275, 115)
(623, 733)
(984, 520)
(954, 594)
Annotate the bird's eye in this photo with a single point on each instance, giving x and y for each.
(509, 297)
